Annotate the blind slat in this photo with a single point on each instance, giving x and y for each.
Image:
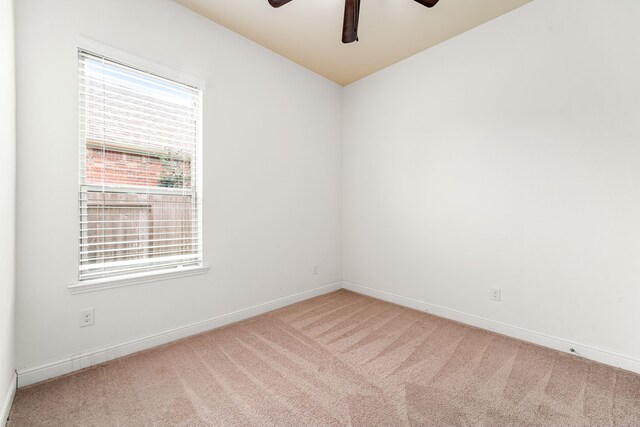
(175, 239)
(139, 248)
(113, 229)
(148, 257)
(107, 236)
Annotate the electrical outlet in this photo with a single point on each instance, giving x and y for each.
(495, 294)
(315, 269)
(87, 317)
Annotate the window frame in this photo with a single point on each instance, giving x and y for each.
(140, 64)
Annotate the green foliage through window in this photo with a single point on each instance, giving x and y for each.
(176, 170)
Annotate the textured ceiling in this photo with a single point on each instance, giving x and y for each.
(309, 31)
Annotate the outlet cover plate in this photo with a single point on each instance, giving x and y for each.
(87, 317)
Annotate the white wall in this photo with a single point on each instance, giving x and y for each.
(506, 157)
(272, 164)
(7, 199)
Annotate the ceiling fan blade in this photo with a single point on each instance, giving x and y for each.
(428, 3)
(350, 24)
(278, 3)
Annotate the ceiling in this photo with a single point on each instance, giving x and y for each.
(309, 31)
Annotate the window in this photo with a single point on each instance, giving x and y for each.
(140, 200)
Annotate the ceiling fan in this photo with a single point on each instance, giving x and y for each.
(351, 16)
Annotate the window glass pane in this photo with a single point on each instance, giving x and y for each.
(139, 208)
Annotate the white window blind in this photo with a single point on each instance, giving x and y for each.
(140, 208)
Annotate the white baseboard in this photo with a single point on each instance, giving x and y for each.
(8, 400)
(34, 374)
(586, 351)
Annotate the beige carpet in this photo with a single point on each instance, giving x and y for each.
(339, 359)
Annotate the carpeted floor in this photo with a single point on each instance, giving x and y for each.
(339, 359)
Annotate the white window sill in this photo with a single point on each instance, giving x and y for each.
(135, 279)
